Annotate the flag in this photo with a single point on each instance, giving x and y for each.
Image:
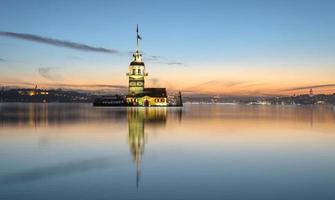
(138, 36)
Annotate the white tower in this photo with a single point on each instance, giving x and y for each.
(136, 71)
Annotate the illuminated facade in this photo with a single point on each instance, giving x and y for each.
(136, 74)
(138, 95)
(138, 118)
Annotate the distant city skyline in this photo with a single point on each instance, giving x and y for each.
(214, 47)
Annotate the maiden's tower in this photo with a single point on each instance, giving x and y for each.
(138, 94)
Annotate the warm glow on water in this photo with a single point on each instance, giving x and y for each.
(76, 151)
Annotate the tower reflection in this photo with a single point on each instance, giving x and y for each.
(138, 119)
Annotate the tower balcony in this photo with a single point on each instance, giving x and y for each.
(131, 74)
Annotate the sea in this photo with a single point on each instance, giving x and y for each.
(200, 151)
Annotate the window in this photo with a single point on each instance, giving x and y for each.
(134, 71)
(139, 71)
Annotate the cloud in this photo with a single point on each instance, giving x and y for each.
(162, 60)
(79, 46)
(152, 58)
(219, 84)
(57, 42)
(229, 88)
(308, 87)
(87, 86)
(47, 73)
(63, 85)
(174, 63)
(15, 83)
(2, 60)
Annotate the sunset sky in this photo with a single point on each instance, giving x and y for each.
(251, 47)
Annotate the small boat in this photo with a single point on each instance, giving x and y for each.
(114, 100)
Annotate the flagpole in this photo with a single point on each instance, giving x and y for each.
(137, 37)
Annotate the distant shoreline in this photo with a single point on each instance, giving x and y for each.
(24, 95)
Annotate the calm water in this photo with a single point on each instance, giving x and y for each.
(76, 151)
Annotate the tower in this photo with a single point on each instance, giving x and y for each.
(136, 71)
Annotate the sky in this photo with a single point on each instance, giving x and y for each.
(258, 47)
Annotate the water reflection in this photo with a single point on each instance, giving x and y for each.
(44, 115)
(137, 119)
(195, 151)
(13, 115)
(55, 114)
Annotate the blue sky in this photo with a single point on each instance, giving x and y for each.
(225, 41)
